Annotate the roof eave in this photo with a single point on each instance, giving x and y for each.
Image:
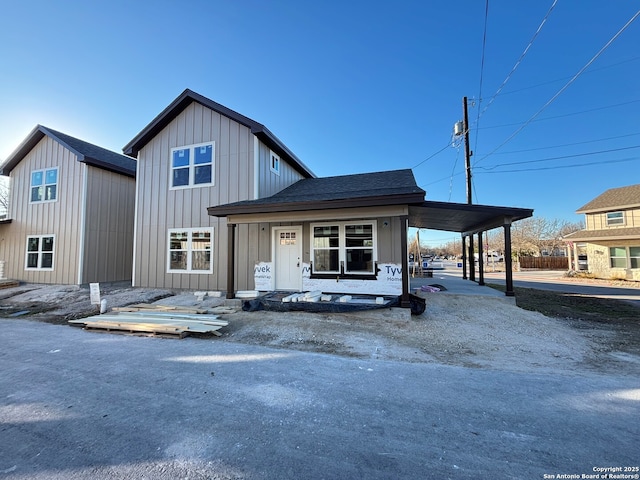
(375, 201)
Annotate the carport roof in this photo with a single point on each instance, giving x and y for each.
(462, 217)
(378, 189)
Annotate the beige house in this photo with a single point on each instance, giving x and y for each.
(612, 234)
(70, 213)
(195, 154)
(222, 204)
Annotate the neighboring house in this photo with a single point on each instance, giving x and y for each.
(612, 234)
(195, 154)
(70, 216)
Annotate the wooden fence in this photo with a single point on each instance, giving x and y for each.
(545, 263)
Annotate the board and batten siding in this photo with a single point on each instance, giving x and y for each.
(60, 218)
(110, 203)
(271, 183)
(159, 209)
(598, 221)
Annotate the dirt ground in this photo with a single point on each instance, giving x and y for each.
(463, 330)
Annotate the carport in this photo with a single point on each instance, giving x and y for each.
(469, 220)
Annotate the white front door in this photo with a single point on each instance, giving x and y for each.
(288, 258)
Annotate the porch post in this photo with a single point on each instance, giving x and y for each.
(231, 255)
(481, 260)
(472, 263)
(507, 260)
(405, 300)
(464, 257)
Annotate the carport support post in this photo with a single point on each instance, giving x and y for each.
(464, 257)
(405, 300)
(507, 260)
(472, 263)
(231, 255)
(480, 260)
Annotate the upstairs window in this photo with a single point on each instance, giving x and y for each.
(192, 166)
(274, 163)
(44, 185)
(615, 218)
(39, 252)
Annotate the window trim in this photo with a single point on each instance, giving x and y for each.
(342, 251)
(39, 252)
(189, 270)
(617, 220)
(192, 165)
(44, 184)
(274, 167)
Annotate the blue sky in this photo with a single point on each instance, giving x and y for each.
(352, 86)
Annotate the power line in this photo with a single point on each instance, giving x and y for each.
(522, 55)
(559, 167)
(573, 79)
(431, 156)
(564, 115)
(484, 45)
(560, 157)
(567, 144)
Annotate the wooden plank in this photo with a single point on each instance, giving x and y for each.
(184, 316)
(151, 327)
(130, 318)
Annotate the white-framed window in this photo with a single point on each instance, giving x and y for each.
(193, 165)
(190, 250)
(274, 162)
(615, 218)
(39, 252)
(618, 257)
(634, 257)
(44, 185)
(345, 248)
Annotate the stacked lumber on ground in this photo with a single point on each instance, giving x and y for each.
(157, 320)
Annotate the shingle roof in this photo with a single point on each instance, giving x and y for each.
(370, 189)
(86, 152)
(614, 199)
(629, 233)
(185, 99)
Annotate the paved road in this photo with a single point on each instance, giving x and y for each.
(81, 405)
(555, 281)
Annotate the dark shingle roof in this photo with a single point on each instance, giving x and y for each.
(188, 97)
(86, 152)
(614, 199)
(365, 189)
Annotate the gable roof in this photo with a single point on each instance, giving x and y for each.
(86, 152)
(614, 199)
(365, 189)
(185, 99)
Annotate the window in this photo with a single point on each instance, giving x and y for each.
(344, 248)
(615, 218)
(39, 252)
(44, 185)
(274, 163)
(618, 256)
(634, 256)
(190, 250)
(192, 166)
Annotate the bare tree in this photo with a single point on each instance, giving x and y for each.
(4, 197)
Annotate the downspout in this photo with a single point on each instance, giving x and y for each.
(256, 168)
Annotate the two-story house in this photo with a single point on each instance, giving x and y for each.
(70, 214)
(195, 154)
(612, 234)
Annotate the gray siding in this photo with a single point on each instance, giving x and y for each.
(158, 208)
(60, 218)
(269, 182)
(108, 227)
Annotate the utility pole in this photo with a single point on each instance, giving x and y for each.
(467, 152)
